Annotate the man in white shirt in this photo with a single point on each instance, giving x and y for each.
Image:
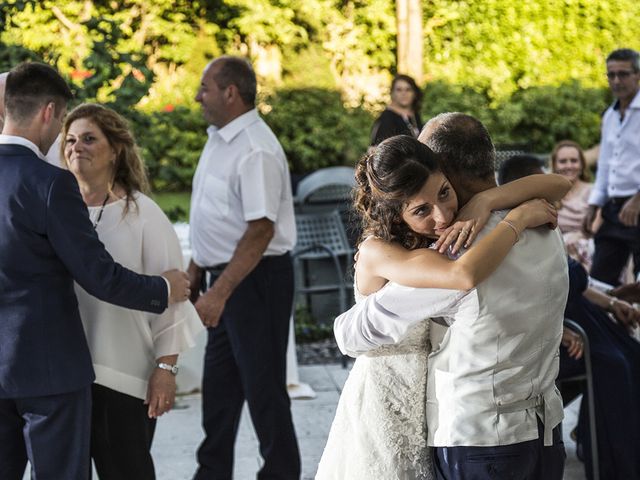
(492, 407)
(242, 230)
(617, 188)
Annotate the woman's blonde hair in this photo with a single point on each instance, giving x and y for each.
(129, 170)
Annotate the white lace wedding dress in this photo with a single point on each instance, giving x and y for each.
(379, 431)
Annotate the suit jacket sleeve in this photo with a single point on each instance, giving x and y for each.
(76, 243)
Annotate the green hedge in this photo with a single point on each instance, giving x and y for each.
(535, 116)
(315, 128)
(317, 131)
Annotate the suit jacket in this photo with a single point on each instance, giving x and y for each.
(47, 241)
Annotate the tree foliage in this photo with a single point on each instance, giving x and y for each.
(532, 71)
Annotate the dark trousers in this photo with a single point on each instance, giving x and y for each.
(121, 436)
(51, 432)
(521, 461)
(245, 359)
(614, 243)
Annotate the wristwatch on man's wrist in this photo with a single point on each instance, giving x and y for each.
(170, 368)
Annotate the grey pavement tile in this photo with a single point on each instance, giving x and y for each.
(179, 433)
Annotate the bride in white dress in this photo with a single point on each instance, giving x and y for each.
(379, 430)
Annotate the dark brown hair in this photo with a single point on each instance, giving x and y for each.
(30, 86)
(387, 177)
(417, 93)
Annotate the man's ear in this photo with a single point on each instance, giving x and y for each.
(231, 93)
(49, 112)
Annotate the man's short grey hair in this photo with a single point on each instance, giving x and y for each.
(463, 144)
(239, 72)
(626, 55)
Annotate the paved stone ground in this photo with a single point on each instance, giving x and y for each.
(178, 433)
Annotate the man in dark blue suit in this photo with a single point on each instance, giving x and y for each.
(46, 242)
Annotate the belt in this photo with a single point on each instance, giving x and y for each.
(542, 404)
(618, 200)
(216, 269)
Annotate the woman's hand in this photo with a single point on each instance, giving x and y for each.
(470, 220)
(573, 343)
(161, 392)
(534, 213)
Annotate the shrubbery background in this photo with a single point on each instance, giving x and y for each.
(532, 71)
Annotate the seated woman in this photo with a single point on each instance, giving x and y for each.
(134, 353)
(567, 159)
(406, 203)
(615, 358)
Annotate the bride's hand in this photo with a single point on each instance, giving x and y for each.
(459, 234)
(535, 213)
(470, 220)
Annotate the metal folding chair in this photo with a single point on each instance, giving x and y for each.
(569, 395)
(327, 186)
(321, 236)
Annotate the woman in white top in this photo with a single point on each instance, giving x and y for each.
(406, 203)
(134, 353)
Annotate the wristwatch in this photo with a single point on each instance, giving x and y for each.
(171, 368)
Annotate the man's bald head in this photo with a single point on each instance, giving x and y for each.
(467, 154)
(3, 83)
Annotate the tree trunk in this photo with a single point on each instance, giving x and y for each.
(409, 26)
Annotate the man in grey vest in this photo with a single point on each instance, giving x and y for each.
(496, 411)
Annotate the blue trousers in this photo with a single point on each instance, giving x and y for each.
(51, 432)
(520, 461)
(245, 359)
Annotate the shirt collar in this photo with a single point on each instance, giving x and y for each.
(234, 127)
(15, 140)
(635, 103)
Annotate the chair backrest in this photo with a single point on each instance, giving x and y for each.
(327, 185)
(321, 228)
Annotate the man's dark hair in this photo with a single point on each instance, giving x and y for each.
(32, 85)
(463, 143)
(626, 55)
(517, 167)
(239, 72)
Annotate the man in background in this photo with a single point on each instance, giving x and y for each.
(616, 192)
(242, 230)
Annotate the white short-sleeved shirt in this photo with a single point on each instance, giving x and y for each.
(125, 343)
(242, 175)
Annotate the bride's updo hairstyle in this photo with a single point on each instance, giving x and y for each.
(387, 177)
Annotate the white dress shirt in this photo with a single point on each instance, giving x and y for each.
(242, 175)
(618, 172)
(15, 140)
(494, 372)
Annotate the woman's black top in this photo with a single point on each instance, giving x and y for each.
(389, 124)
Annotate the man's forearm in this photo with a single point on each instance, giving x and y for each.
(246, 256)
